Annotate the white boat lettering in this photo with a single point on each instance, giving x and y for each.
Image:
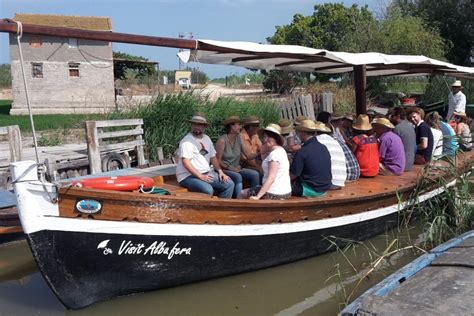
(155, 248)
(129, 248)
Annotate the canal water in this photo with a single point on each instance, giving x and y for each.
(316, 286)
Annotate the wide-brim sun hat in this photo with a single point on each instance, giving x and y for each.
(336, 116)
(275, 129)
(321, 127)
(460, 114)
(286, 126)
(383, 121)
(307, 126)
(300, 119)
(456, 83)
(198, 118)
(349, 117)
(362, 123)
(231, 120)
(251, 120)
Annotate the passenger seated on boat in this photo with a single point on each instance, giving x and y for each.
(405, 130)
(310, 171)
(424, 136)
(450, 142)
(335, 124)
(276, 179)
(297, 146)
(463, 131)
(391, 152)
(365, 147)
(288, 132)
(193, 172)
(228, 151)
(338, 160)
(250, 139)
(352, 165)
(432, 119)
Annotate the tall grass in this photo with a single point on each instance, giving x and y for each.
(448, 214)
(44, 122)
(165, 119)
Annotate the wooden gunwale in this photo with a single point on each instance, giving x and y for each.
(194, 208)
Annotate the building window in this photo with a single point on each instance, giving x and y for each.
(36, 42)
(37, 70)
(73, 69)
(72, 42)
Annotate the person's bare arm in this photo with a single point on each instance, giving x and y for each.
(423, 144)
(222, 176)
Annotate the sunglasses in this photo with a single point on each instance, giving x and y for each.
(203, 150)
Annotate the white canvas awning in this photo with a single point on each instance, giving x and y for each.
(305, 59)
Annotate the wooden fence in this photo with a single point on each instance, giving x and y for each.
(14, 141)
(95, 134)
(307, 105)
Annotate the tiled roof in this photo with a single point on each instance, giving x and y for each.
(93, 23)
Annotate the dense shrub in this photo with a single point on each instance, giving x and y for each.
(165, 119)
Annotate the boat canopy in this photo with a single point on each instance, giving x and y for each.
(305, 59)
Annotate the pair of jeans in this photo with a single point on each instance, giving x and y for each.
(224, 190)
(245, 174)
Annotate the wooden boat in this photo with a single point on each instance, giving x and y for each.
(10, 227)
(127, 242)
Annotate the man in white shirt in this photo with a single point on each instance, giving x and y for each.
(196, 151)
(457, 100)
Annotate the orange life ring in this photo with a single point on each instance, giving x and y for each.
(119, 183)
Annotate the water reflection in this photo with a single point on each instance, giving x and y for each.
(308, 287)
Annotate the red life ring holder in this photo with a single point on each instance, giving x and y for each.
(120, 183)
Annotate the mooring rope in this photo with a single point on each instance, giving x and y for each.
(19, 34)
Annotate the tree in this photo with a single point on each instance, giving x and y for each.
(332, 26)
(5, 75)
(407, 35)
(125, 64)
(453, 18)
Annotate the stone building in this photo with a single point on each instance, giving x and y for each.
(64, 75)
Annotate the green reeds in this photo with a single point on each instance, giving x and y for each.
(165, 119)
(447, 214)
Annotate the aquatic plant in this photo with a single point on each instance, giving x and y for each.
(165, 119)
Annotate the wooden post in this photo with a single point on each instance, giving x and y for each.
(93, 151)
(360, 85)
(14, 142)
(140, 153)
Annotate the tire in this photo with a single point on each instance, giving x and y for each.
(114, 161)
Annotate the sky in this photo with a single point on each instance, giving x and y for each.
(226, 20)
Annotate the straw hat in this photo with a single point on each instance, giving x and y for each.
(231, 120)
(273, 128)
(307, 126)
(336, 116)
(300, 119)
(199, 118)
(362, 123)
(456, 83)
(371, 112)
(349, 117)
(321, 127)
(286, 126)
(383, 121)
(251, 120)
(415, 109)
(460, 114)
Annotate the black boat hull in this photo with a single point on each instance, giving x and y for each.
(86, 267)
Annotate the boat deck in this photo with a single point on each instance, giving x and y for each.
(440, 282)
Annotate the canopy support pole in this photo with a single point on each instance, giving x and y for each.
(360, 85)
